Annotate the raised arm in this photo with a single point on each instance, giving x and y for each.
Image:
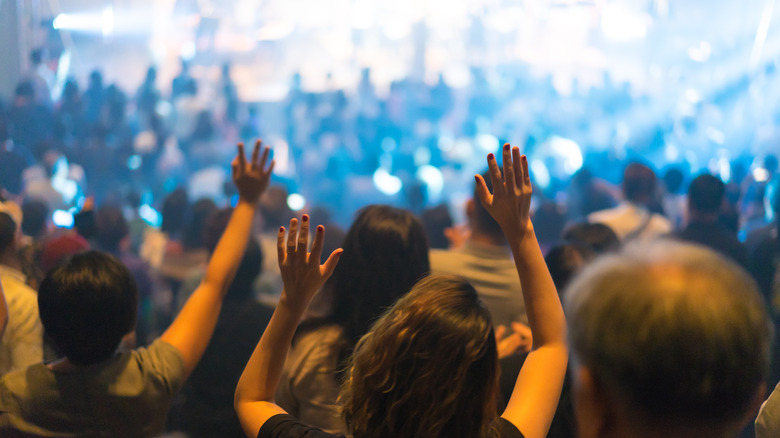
(3, 312)
(191, 331)
(303, 276)
(538, 387)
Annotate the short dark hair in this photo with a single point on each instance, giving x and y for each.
(35, 215)
(705, 194)
(482, 219)
(599, 237)
(7, 231)
(675, 332)
(111, 227)
(87, 305)
(639, 182)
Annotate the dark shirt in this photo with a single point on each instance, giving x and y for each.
(287, 426)
(717, 237)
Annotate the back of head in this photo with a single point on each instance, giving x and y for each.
(385, 254)
(174, 211)
(705, 194)
(7, 232)
(36, 216)
(436, 221)
(598, 237)
(675, 333)
(87, 304)
(639, 183)
(111, 227)
(428, 367)
(201, 210)
(564, 261)
(251, 264)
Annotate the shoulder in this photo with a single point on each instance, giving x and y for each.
(287, 426)
(163, 361)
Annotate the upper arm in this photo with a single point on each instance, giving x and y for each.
(253, 415)
(535, 397)
(191, 331)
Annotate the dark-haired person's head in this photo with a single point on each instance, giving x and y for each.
(111, 227)
(667, 339)
(251, 264)
(673, 180)
(480, 220)
(565, 260)
(436, 221)
(35, 216)
(600, 238)
(25, 89)
(7, 233)
(87, 305)
(705, 194)
(428, 367)
(385, 254)
(639, 183)
(174, 212)
(199, 213)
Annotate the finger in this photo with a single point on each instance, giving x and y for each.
(500, 332)
(526, 175)
(516, 166)
(280, 251)
(264, 158)
(270, 168)
(482, 191)
(319, 242)
(509, 171)
(303, 235)
(241, 157)
(495, 175)
(255, 154)
(327, 268)
(292, 236)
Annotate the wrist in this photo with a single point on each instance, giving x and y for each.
(293, 305)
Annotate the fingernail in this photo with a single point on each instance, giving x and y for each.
(306, 218)
(490, 156)
(506, 146)
(281, 229)
(320, 228)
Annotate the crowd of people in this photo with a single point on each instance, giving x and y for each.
(406, 323)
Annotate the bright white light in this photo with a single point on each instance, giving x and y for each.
(760, 174)
(620, 24)
(275, 31)
(540, 173)
(487, 142)
(700, 53)
(432, 178)
(724, 169)
(386, 183)
(422, 156)
(150, 215)
(107, 21)
(716, 135)
(296, 202)
(83, 22)
(569, 151)
(62, 219)
(188, 50)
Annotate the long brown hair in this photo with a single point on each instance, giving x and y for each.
(428, 367)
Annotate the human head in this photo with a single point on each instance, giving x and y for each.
(598, 237)
(705, 194)
(669, 339)
(564, 261)
(35, 217)
(174, 211)
(385, 254)
(639, 182)
(436, 220)
(7, 233)
(199, 213)
(111, 227)
(428, 367)
(87, 305)
(251, 264)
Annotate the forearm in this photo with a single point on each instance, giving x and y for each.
(262, 373)
(542, 304)
(230, 248)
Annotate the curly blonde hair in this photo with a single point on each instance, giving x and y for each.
(428, 367)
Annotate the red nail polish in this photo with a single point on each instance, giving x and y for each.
(305, 218)
(281, 229)
(490, 156)
(320, 228)
(506, 146)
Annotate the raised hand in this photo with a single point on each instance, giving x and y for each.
(252, 178)
(301, 271)
(510, 202)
